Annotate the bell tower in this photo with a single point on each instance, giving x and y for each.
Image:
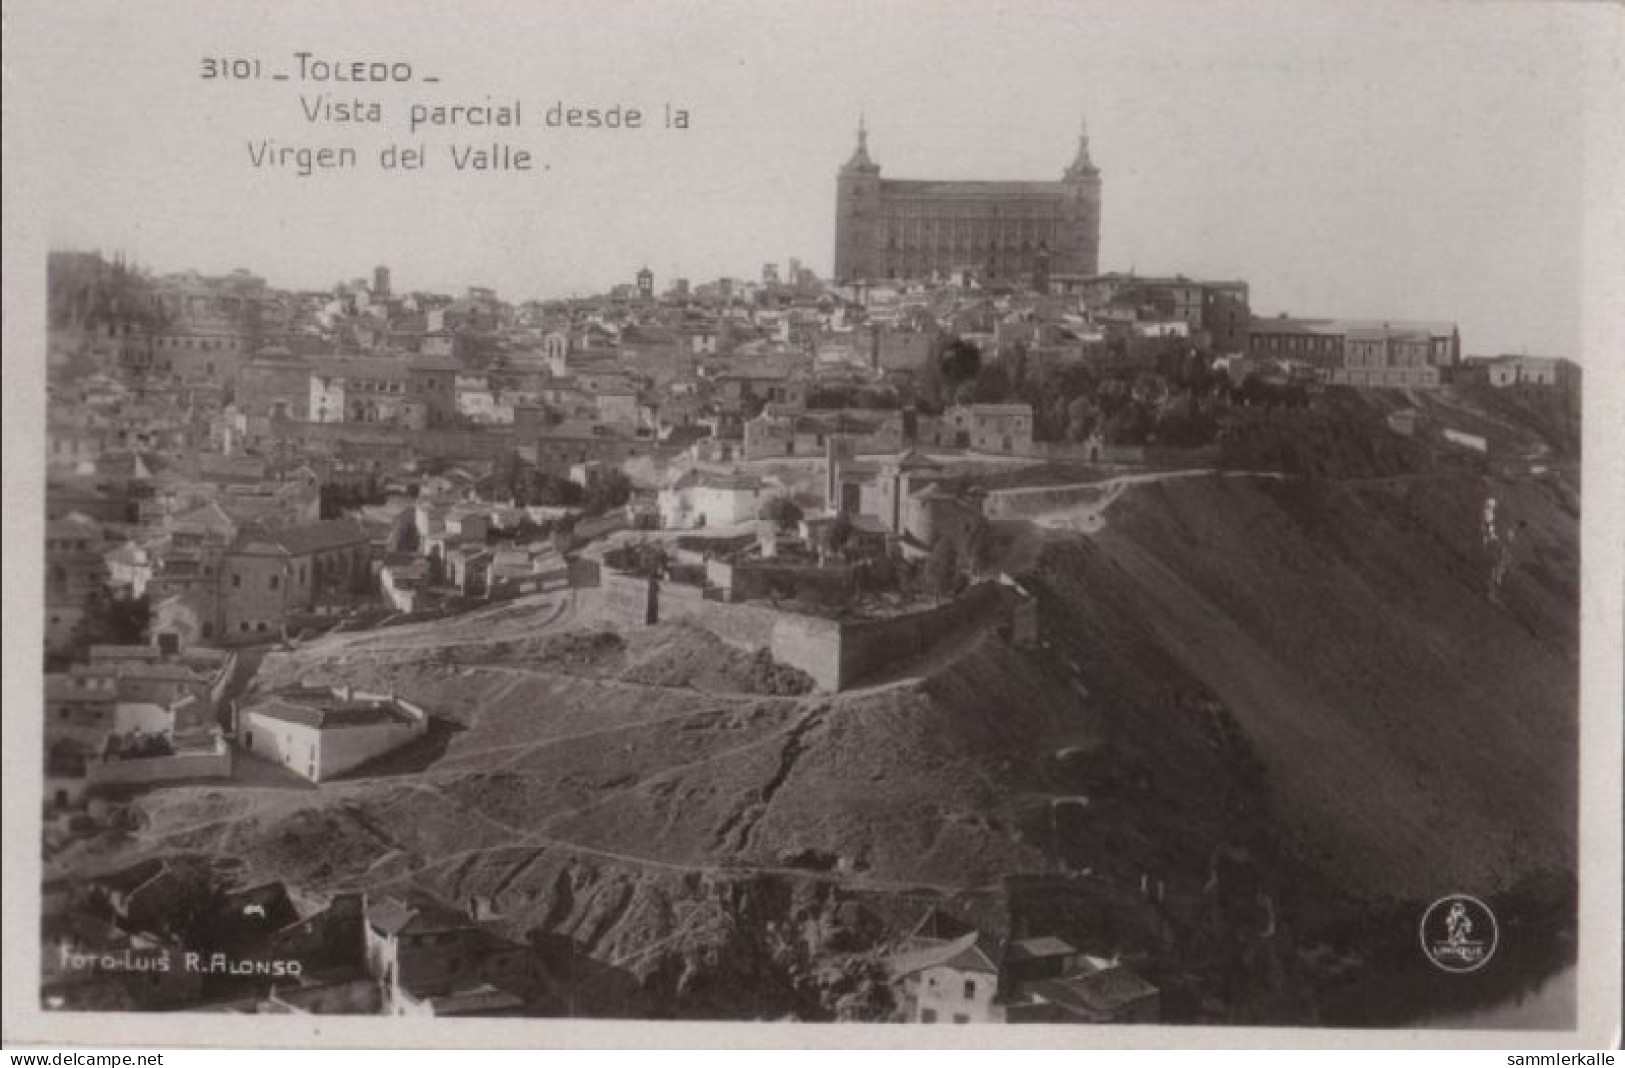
(857, 207)
(1079, 251)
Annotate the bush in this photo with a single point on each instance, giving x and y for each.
(768, 676)
(782, 510)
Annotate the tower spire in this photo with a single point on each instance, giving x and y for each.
(1082, 166)
(860, 160)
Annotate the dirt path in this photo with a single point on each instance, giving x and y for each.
(1089, 517)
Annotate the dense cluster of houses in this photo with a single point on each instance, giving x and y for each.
(177, 933)
(171, 934)
(253, 464)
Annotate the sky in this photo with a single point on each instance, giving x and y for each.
(1391, 161)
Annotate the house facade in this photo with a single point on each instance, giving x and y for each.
(318, 733)
(434, 960)
(705, 498)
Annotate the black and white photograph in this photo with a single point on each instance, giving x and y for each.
(905, 515)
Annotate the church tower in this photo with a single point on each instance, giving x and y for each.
(1079, 250)
(857, 207)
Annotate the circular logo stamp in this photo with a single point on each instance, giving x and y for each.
(1459, 933)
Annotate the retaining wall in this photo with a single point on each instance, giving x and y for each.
(836, 654)
(1036, 500)
(866, 647)
(746, 626)
(213, 765)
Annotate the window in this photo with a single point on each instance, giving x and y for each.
(236, 581)
(970, 989)
(960, 1017)
(928, 1015)
(275, 582)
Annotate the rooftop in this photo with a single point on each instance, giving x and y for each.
(325, 709)
(1094, 995)
(1039, 948)
(420, 915)
(319, 537)
(970, 952)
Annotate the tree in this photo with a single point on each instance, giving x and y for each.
(606, 489)
(1081, 418)
(196, 906)
(647, 559)
(929, 387)
(993, 384)
(839, 534)
(959, 360)
(782, 510)
(403, 536)
(110, 620)
(527, 485)
(942, 568)
(977, 551)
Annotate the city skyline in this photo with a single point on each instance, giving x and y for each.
(1105, 536)
(1388, 162)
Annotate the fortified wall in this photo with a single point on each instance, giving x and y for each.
(837, 654)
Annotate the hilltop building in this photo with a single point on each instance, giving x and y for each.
(1360, 352)
(890, 228)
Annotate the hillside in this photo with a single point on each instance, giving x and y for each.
(1415, 734)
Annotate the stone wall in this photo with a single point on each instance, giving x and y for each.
(746, 626)
(210, 765)
(1037, 500)
(811, 644)
(481, 443)
(866, 647)
(837, 654)
(224, 681)
(623, 599)
(754, 580)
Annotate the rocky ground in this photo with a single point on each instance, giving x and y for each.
(1282, 713)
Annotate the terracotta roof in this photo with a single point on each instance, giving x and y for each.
(1039, 948)
(1095, 995)
(939, 926)
(481, 1000)
(320, 536)
(421, 916)
(970, 952)
(911, 459)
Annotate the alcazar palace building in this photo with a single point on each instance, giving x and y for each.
(892, 228)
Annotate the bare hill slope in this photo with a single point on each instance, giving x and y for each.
(1300, 685)
(1415, 735)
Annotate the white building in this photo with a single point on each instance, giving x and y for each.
(951, 982)
(318, 733)
(709, 499)
(1530, 371)
(1000, 428)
